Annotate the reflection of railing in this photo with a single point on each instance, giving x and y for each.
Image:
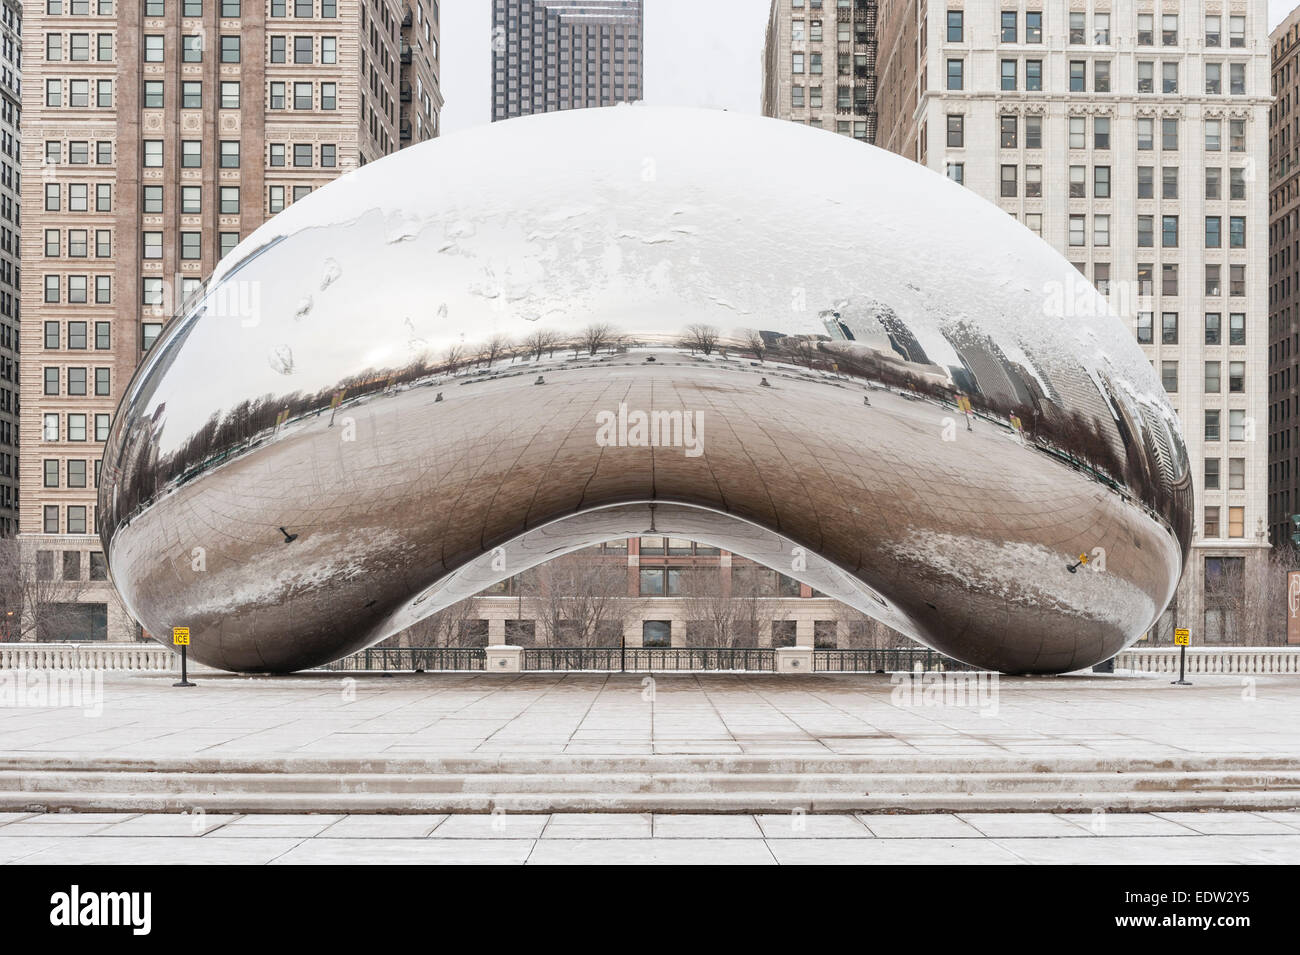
(413, 659)
(890, 660)
(649, 659)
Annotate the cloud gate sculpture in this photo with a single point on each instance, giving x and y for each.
(486, 351)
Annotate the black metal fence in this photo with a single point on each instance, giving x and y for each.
(413, 659)
(639, 659)
(884, 661)
(647, 659)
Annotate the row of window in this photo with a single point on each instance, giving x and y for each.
(76, 426)
(1213, 328)
(70, 473)
(1009, 126)
(79, 93)
(1169, 281)
(1236, 523)
(75, 522)
(78, 244)
(78, 47)
(1213, 381)
(1239, 426)
(77, 381)
(1010, 70)
(1100, 34)
(1236, 474)
(228, 9)
(78, 289)
(1077, 186)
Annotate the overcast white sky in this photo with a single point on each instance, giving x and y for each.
(698, 53)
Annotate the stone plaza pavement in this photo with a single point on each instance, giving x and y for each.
(1174, 838)
(414, 716)
(539, 714)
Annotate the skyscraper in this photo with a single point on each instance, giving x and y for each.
(1134, 141)
(555, 54)
(819, 65)
(159, 134)
(11, 45)
(1284, 285)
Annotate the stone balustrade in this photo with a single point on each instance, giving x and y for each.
(1255, 660)
(88, 656)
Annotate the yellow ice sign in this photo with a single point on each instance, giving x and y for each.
(1182, 638)
(180, 636)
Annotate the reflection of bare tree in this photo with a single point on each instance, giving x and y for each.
(36, 603)
(701, 338)
(866, 633)
(453, 626)
(495, 347)
(597, 336)
(579, 600)
(755, 343)
(454, 358)
(541, 342)
(801, 351)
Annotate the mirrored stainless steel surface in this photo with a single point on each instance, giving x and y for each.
(491, 349)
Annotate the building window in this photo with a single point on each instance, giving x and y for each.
(1144, 330)
(955, 26)
(1169, 376)
(1010, 74)
(1212, 324)
(957, 131)
(1169, 328)
(656, 633)
(1009, 189)
(1212, 424)
(955, 74)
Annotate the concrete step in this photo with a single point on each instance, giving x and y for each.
(676, 763)
(647, 784)
(752, 802)
(613, 784)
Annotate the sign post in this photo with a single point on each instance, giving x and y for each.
(181, 638)
(1293, 607)
(1182, 637)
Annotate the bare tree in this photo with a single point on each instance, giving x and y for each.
(701, 338)
(710, 609)
(579, 599)
(1272, 599)
(36, 602)
(755, 342)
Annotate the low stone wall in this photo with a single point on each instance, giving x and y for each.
(1212, 660)
(88, 656)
